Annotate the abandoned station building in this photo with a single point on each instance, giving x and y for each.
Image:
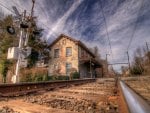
(68, 54)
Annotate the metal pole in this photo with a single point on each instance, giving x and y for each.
(15, 77)
(128, 60)
(147, 47)
(33, 2)
(148, 54)
(107, 63)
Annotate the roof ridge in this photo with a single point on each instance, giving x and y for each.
(75, 40)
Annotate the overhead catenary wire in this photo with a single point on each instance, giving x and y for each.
(106, 27)
(135, 27)
(4, 6)
(1, 4)
(7, 8)
(42, 9)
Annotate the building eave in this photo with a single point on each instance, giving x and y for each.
(74, 40)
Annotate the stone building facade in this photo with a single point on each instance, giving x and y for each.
(68, 54)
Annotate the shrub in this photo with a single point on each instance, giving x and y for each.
(34, 75)
(137, 70)
(60, 77)
(75, 75)
(38, 77)
(27, 78)
(4, 67)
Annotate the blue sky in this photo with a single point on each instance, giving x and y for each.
(84, 20)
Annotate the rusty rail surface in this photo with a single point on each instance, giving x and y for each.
(135, 103)
(26, 88)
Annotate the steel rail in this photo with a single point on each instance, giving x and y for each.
(135, 103)
(25, 88)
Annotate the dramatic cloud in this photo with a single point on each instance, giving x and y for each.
(83, 20)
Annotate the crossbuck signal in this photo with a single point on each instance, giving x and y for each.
(25, 23)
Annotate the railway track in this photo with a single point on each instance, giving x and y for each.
(26, 88)
(136, 91)
(84, 96)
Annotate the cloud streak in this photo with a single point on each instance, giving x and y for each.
(58, 26)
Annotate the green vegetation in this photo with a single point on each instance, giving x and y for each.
(75, 75)
(136, 70)
(33, 75)
(41, 78)
(141, 62)
(60, 77)
(39, 48)
(4, 69)
(6, 41)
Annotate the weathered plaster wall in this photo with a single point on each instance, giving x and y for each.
(63, 59)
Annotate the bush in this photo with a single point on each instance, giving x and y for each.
(34, 75)
(136, 70)
(60, 77)
(38, 78)
(63, 77)
(75, 75)
(26, 78)
(4, 67)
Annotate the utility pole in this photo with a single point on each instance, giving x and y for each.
(32, 11)
(148, 53)
(147, 47)
(128, 60)
(107, 62)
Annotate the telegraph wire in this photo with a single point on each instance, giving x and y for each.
(135, 27)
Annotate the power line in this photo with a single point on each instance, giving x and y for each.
(106, 27)
(1, 4)
(42, 9)
(7, 8)
(135, 27)
(15, 13)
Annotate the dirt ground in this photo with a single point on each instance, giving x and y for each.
(88, 98)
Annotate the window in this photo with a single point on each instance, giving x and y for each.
(68, 67)
(56, 53)
(68, 51)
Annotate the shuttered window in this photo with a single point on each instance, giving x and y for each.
(68, 51)
(56, 53)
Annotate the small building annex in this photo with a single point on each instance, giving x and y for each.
(68, 54)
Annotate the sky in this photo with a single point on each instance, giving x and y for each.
(114, 26)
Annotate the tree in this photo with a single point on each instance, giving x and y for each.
(6, 41)
(4, 66)
(137, 67)
(39, 47)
